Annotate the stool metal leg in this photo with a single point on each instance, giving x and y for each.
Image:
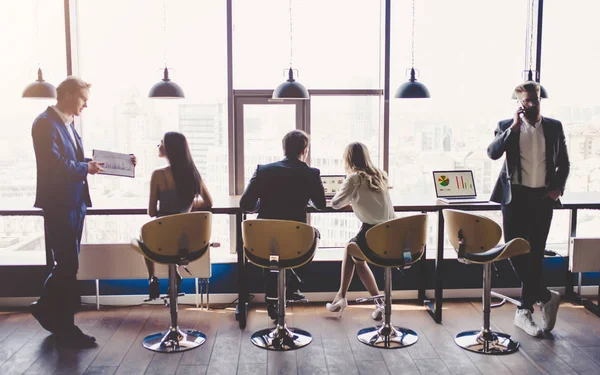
(387, 336)
(282, 338)
(486, 341)
(174, 339)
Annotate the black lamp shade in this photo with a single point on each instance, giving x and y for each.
(412, 89)
(166, 89)
(39, 89)
(291, 89)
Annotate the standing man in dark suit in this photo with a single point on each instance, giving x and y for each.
(282, 190)
(63, 195)
(532, 179)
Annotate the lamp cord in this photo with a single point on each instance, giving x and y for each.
(37, 32)
(413, 35)
(165, 31)
(531, 35)
(291, 32)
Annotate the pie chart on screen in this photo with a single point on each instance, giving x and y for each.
(444, 180)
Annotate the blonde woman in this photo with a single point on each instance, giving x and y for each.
(366, 189)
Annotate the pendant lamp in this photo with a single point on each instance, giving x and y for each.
(528, 74)
(40, 88)
(412, 89)
(166, 89)
(291, 89)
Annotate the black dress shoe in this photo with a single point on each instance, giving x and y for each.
(43, 317)
(154, 286)
(296, 295)
(73, 337)
(272, 310)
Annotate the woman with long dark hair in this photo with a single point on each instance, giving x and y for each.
(175, 189)
(366, 189)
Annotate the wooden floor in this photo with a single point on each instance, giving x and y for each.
(574, 346)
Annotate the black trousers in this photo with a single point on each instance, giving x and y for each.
(529, 215)
(293, 282)
(61, 296)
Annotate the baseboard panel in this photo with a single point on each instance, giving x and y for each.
(229, 298)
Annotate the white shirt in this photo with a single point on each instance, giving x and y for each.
(371, 207)
(533, 156)
(67, 120)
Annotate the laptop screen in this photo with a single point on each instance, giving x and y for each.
(332, 184)
(454, 184)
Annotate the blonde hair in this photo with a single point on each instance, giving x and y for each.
(357, 160)
(529, 86)
(71, 85)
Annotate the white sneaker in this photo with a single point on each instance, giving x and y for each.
(549, 311)
(377, 314)
(524, 321)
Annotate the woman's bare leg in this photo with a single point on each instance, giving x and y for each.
(346, 275)
(366, 276)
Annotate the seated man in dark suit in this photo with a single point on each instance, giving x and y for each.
(282, 190)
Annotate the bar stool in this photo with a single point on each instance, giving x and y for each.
(475, 238)
(175, 240)
(279, 245)
(396, 243)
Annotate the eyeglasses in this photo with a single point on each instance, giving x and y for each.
(532, 101)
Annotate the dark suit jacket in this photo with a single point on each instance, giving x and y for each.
(61, 168)
(557, 158)
(282, 190)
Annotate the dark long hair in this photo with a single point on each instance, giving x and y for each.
(186, 175)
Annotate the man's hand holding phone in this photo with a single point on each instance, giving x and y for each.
(517, 119)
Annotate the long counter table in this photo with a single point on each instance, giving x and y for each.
(230, 205)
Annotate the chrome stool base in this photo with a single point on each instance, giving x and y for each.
(492, 343)
(174, 341)
(281, 338)
(387, 337)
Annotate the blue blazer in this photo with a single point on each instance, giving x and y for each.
(61, 167)
(282, 190)
(507, 142)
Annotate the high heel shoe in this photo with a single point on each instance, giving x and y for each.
(338, 306)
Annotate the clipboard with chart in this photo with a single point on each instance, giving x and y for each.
(115, 164)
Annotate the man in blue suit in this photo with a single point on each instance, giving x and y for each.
(282, 191)
(532, 179)
(63, 195)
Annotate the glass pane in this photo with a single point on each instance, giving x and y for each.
(123, 62)
(571, 100)
(33, 36)
(264, 128)
(330, 50)
(22, 240)
(335, 122)
(470, 88)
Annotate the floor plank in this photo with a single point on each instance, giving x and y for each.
(572, 348)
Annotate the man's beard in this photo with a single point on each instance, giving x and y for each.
(532, 113)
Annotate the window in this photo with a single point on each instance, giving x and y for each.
(337, 121)
(470, 65)
(123, 62)
(26, 44)
(336, 43)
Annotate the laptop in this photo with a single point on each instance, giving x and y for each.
(332, 184)
(455, 187)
